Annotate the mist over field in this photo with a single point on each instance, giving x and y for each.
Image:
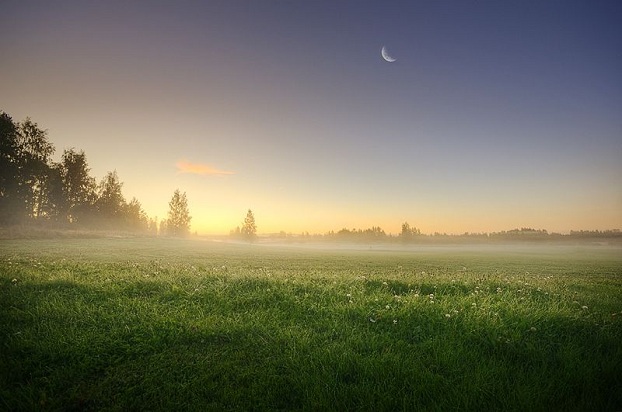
(196, 324)
(321, 205)
(448, 246)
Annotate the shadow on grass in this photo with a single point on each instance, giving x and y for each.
(253, 343)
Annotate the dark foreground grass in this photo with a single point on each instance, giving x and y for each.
(126, 324)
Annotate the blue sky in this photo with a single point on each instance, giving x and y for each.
(495, 115)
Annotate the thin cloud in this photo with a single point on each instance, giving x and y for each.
(200, 169)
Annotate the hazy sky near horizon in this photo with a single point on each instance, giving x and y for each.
(496, 114)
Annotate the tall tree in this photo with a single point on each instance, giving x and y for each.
(249, 228)
(79, 187)
(135, 217)
(35, 153)
(110, 201)
(54, 206)
(178, 221)
(11, 207)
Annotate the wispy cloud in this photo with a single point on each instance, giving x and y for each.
(200, 169)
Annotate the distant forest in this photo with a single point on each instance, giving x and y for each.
(413, 235)
(36, 192)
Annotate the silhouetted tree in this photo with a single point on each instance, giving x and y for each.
(78, 185)
(249, 228)
(375, 232)
(54, 204)
(32, 187)
(35, 153)
(135, 217)
(405, 230)
(178, 222)
(110, 202)
(11, 206)
(25, 170)
(408, 232)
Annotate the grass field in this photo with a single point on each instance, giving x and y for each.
(131, 324)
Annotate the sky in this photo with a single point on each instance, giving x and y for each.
(495, 115)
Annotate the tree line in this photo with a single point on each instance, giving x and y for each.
(36, 190)
(411, 234)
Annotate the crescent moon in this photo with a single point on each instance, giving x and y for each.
(386, 56)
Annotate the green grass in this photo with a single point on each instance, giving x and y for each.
(130, 324)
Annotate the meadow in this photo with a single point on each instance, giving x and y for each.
(163, 324)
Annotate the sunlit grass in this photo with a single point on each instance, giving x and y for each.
(131, 324)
